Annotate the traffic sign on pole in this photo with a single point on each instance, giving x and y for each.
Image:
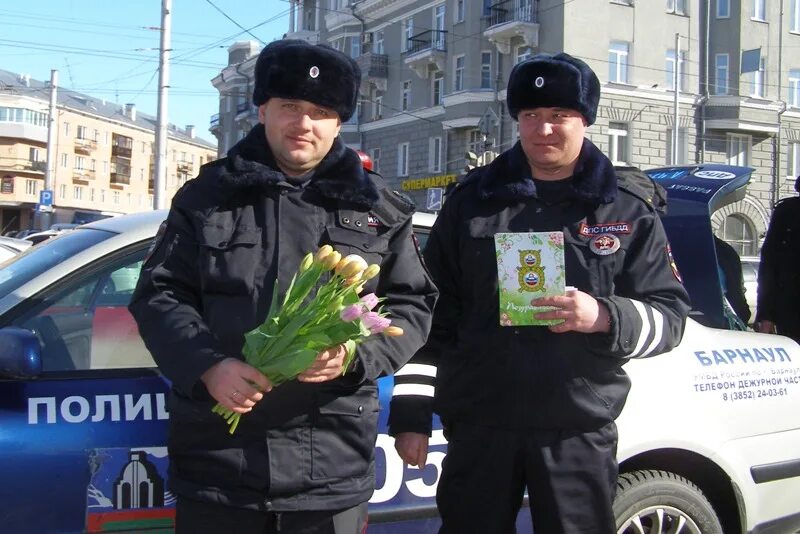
(435, 198)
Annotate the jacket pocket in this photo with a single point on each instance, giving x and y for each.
(343, 434)
(228, 258)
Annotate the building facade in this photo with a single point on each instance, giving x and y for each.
(103, 158)
(434, 74)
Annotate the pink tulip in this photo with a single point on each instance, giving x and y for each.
(375, 323)
(369, 301)
(351, 313)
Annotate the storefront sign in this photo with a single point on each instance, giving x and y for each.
(7, 185)
(441, 180)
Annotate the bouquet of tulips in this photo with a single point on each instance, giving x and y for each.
(288, 341)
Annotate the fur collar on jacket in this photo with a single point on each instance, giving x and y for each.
(339, 175)
(509, 176)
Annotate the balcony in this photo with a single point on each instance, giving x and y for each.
(213, 123)
(742, 114)
(36, 166)
(119, 179)
(306, 35)
(513, 18)
(426, 50)
(121, 151)
(375, 69)
(85, 146)
(82, 176)
(185, 166)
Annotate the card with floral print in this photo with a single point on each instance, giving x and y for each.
(530, 265)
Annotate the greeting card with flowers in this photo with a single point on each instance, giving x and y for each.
(530, 265)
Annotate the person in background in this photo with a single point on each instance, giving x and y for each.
(777, 309)
(533, 407)
(731, 278)
(288, 187)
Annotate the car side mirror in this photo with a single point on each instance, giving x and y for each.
(20, 353)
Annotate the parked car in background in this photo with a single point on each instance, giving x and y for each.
(709, 438)
(750, 274)
(44, 235)
(10, 247)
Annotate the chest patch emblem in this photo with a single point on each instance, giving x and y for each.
(620, 227)
(604, 244)
(372, 221)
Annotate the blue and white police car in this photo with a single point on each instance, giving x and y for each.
(709, 437)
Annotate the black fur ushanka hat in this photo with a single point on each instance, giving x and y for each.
(299, 70)
(553, 81)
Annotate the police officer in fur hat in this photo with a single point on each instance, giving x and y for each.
(302, 459)
(525, 405)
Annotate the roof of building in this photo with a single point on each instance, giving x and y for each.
(16, 84)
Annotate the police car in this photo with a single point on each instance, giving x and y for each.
(709, 438)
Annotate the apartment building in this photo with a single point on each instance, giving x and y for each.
(103, 156)
(434, 74)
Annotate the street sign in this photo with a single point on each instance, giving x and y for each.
(435, 198)
(45, 204)
(46, 197)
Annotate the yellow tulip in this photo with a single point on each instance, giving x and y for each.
(306, 263)
(331, 260)
(350, 265)
(352, 280)
(393, 331)
(372, 271)
(323, 252)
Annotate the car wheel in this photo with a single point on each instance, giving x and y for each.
(655, 502)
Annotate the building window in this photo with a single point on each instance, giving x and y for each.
(460, 12)
(77, 192)
(721, 74)
(62, 191)
(435, 154)
(618, 62)
(793, 162)
(759, 10)
(33, 154)
(523, 53)
(475, 141)
(618, 143)
(670, 70)
(458, 74)
(355, 47)
(377, 42)
(82, 133)
(408, 33)
(739, 149)
(486, 70)
(723, 9)
(438, 25)
(377, 108)
(64, 160)
(402, 159)
(794, 87)
(116, 197)
(676, 6)
(31, 187)
(406, 96)
(66, 129)
(683, 147)
(758, 86)
(375, 154)
(794, 20)
(438, 86)
(737, 231)
(80, 162)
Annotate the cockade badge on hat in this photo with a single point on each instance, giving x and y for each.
(313, 71)
(539, 82)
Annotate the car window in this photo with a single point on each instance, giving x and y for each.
(36, 260)
(85, 324)
(422, 234)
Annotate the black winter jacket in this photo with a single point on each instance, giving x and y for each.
(779, 270)
(529, 377)
(230, 233)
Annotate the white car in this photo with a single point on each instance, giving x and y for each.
(10, 247)
(709, 437)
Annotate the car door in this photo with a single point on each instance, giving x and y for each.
(83, 446)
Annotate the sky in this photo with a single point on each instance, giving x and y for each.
(109, 49)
